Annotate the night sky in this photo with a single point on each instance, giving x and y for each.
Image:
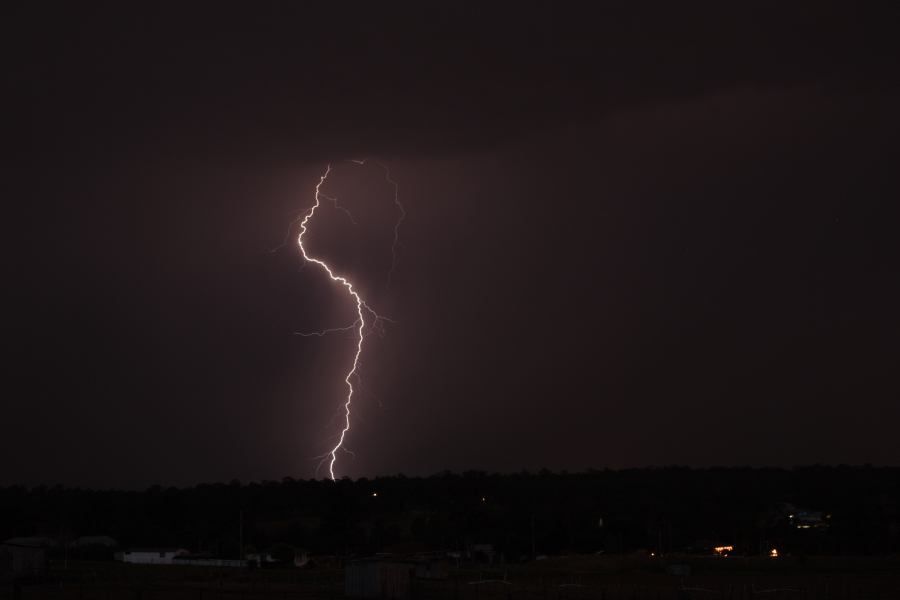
(637, 234)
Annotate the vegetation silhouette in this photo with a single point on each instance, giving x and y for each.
(671, 509)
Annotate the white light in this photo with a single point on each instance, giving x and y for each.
(362, 309)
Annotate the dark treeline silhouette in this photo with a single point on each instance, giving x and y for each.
(656, 509)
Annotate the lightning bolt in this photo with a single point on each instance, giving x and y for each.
(401, 213)
(363, 310)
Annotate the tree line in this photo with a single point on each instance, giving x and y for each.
(662, 510)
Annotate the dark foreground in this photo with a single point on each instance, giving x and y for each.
(567, 578)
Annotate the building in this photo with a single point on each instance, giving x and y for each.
(21, 561)
(809, 519)
(37, 541)
(150, 556)
(203, 560)
(432, 567)
(94, 541)
(93, 547)
(267, 559)
(482, 553)
(378, 578)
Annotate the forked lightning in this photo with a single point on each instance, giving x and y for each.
(363, 310)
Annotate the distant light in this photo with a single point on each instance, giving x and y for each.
(773, 552)
(483, 499)
(374, 494)
(652, 554)
(723, 550)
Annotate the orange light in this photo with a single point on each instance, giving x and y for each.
(723, 550)
(773, 552)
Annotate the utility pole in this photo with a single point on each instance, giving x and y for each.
(533, 549)
(65, 543)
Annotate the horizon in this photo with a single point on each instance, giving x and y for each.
(466, 473)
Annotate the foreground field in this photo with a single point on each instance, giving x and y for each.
(576, 578)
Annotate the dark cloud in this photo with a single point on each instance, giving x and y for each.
(298, 80)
